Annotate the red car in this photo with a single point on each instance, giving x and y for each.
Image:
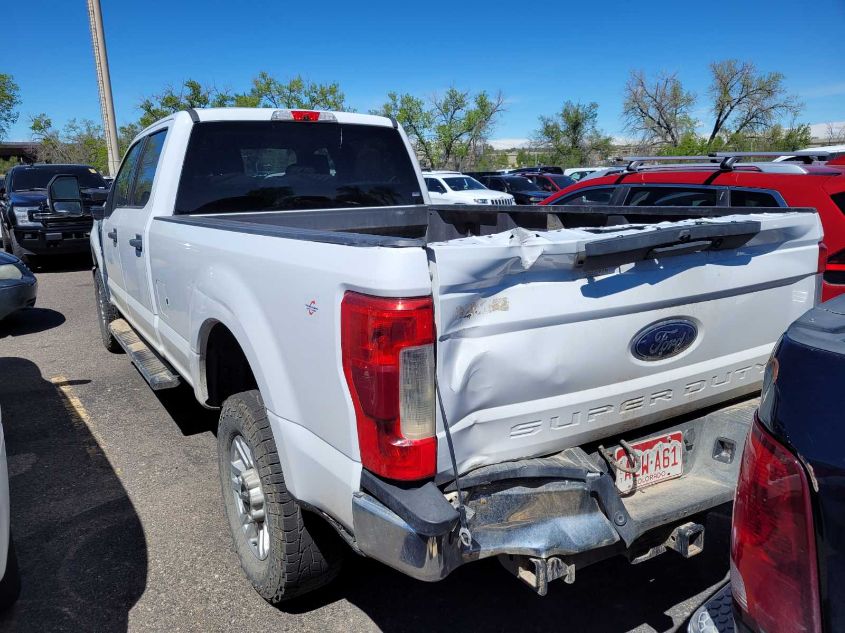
(549, 182)
(727, 183)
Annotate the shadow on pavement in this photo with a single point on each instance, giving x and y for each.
(81, 547)
(610, 596)
(61, 263)
(30, 321)
(188, 414)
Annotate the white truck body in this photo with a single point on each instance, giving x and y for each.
(534, 351)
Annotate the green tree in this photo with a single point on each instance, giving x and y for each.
(9, 101)
(77, 142)
(448, 131)
(191, 94)
(267, 91)
(489, 158)
(572, 137)
(745, 101)
(418, 121)
(659, 110)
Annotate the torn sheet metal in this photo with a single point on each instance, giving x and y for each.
(533, 353)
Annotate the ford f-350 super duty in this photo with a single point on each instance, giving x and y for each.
(436, 385)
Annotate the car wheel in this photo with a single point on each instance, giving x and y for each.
(284, 551)
(7, 245)
(10, 585)
(106, 313)
(17, 250)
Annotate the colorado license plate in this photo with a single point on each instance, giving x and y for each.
(662, 458)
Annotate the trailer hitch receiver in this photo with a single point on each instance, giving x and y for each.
(537, 573)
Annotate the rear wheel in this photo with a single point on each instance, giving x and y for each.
(106, 313)
(284, 551)
(17, 250)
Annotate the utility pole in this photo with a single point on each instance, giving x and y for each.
(101, 61)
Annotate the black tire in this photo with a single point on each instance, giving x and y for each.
(304, 553)
(18, 251)
(10, 586)
(106, 313)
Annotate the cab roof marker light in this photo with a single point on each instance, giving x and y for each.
(302, 115)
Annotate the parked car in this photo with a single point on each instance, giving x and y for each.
(10, 582)
(748, 185)
(453, 187)
(436, 385)
(550, 183)
(30, 228)
(523, 190)
(825, 153)
(577, 173)
(788, 534)
(546, 169)
(18, 287)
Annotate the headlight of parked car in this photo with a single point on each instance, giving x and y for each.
(480, 200)
(535, 199)
(10, 272)
(22, 216)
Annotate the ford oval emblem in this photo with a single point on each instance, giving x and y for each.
(664, 339)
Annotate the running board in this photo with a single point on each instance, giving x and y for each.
(152, 367)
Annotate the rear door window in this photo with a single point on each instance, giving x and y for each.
(434, 185)
(597, 195)
(497, 183)
(673, 197)
(745, 198)
(122, 188)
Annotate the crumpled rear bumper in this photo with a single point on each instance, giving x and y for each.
(562, 507)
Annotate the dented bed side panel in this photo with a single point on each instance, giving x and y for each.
(534, 355)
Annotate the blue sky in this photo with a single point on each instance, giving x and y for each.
(538, 55)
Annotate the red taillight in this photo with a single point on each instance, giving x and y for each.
(388, 358)
(774, 573)
(305, 115)
(822, 258)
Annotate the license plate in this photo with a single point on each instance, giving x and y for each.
(662, 459)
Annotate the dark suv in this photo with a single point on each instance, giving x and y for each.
(522, 189)
(27, 226)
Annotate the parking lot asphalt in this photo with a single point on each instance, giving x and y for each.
(119, 525)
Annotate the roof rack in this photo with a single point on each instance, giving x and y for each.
(635, 162)
(726, 160)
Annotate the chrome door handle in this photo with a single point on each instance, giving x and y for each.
(138, 243)
(113, 235)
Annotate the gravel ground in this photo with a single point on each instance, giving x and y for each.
(117, 516)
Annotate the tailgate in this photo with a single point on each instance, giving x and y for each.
(550, 339)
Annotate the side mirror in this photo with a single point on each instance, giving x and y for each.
(64, 197)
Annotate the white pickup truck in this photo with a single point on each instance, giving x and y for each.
(436, 385)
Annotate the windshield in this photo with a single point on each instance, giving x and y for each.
(519, 183)
(463, 183)
(234, 166)
(37, 177)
